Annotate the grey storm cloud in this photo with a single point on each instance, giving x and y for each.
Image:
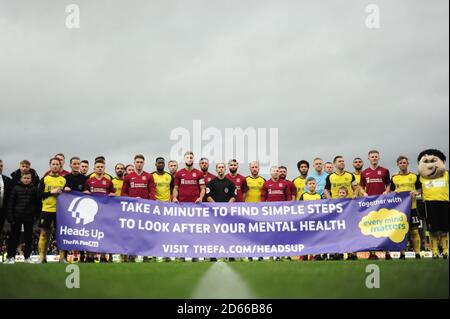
(137, 70)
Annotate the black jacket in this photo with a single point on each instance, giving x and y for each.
(7, 192)
(34, 177)
(23, 203)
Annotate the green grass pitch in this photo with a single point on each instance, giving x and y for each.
(323, 279)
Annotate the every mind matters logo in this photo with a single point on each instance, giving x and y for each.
(389, 223)
(83, 210)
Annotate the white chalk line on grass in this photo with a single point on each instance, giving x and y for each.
(222, 282)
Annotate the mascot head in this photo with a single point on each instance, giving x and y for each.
(431, 164)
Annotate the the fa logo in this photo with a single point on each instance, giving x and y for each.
(379, 172)
(104, 182)
(144, 178)
(194, 175)
(83, 209)
(280, 184)
(226, 190)
(238, 180)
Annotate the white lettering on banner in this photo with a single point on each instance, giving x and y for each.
(218, 250)
(153, 226)
(267, 227)
(378, 202)
(191, 228)
(175, 249)
(229, 228)
(80, 242)
(94, 233)
(132, 207)
(311, 225)
(146, 225)
(219, 211)
(186, 211)
(209, 249)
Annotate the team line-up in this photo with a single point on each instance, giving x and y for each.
(24, 198)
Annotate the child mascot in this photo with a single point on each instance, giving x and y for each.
(433, 183)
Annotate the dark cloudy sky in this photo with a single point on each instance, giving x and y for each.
(136, 70)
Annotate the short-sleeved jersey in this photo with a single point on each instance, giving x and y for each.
(336, 181)
(46, 185)
(106, 175)
(118, 184)
(61, 173)
(357, 178)
(102, 186)
(299, 183)
(139, 185)
(221, 190)
(208, 177)
(308, 196)
(275, 191)
(321, 180)
(189, 184)
(405, 183)
(292, 188)
(254, 186)
(434, 189)
(76, 182)
(163, 186)
(241, 185)
(375, 181)
(358, 182)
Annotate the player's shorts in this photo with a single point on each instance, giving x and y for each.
(415, 221)
(437, 216)
(47, 220)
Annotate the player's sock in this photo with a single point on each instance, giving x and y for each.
(434, 241)
(42, 246)
(444, 243)
(62, 255)
(415, 237)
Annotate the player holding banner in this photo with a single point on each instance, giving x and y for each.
(238, 180)
(139, 184)
(50, 187)
(99, 184)
(405, 181)
(189, 185)
(75, 181)
(275, 189)
(375, 180)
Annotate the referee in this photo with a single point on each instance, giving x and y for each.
(221, 189)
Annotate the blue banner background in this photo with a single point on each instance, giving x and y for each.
(117, 239)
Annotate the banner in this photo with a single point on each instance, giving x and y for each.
(132, 226)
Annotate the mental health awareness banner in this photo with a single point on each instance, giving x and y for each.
(132, 226)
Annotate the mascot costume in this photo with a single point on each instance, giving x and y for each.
(433, 183)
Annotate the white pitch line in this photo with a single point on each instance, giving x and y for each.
(222, 282)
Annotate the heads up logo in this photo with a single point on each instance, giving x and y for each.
(83, 209)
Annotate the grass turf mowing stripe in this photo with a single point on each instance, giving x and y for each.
(324, 279)
(221, 282)
(128, 280)
(346, 279)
